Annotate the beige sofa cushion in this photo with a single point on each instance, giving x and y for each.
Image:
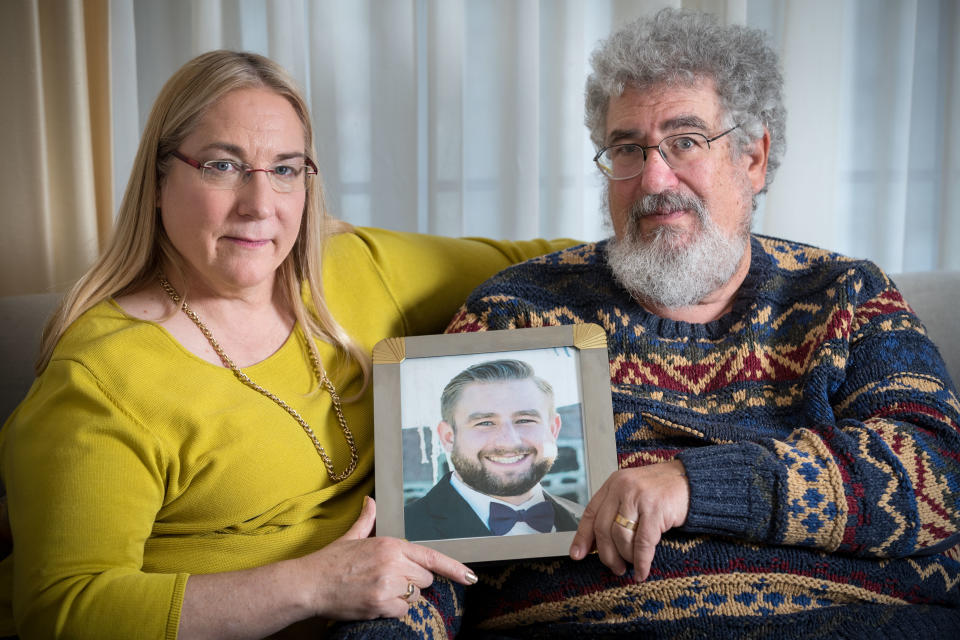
(934, 295)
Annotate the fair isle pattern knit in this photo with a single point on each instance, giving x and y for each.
(819, 430)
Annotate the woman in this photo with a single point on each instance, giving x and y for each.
(183, 465)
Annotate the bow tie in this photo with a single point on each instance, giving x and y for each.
(502, 517)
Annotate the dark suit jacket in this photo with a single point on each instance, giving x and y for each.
(443, 513)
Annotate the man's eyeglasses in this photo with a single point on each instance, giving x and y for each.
(679, 151)
(230, 174)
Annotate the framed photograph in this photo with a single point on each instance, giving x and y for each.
(489, 445)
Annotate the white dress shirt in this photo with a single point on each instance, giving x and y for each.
(480, 503)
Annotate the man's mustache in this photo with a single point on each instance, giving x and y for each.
(666, 202)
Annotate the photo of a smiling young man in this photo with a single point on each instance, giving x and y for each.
(498, 436)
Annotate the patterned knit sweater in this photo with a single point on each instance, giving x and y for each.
(819, 430)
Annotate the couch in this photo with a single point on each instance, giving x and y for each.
(934, 296)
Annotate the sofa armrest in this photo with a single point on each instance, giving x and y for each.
(935, 298)
(21, 320)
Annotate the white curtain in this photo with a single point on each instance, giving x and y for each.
(55, 168)
(873, 137)
(465, 117)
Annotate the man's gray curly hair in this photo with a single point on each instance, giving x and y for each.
(676, 47)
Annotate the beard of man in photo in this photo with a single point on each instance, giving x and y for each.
(666, 267)
(473, 473)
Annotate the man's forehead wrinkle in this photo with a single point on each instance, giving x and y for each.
(685, 121)
(674, 125)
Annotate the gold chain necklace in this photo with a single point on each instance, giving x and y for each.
(245, 379)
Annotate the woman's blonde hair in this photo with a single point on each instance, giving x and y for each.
(139, 244)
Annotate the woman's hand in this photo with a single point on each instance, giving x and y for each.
(359, 578)
(649, 501)
(353, 578)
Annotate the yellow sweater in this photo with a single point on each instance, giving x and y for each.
(133, 463)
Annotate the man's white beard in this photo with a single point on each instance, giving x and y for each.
(663, 267)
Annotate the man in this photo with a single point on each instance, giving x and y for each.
(499, 430)
(787, 433)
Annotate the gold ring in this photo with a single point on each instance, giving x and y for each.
(626, 523)
(410, 589)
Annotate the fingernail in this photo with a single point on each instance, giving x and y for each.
(471, 577)
(576, 552)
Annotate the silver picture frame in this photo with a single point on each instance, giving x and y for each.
(407, 373)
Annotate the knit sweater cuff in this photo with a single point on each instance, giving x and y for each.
(730, 493)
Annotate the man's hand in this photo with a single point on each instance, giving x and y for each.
(656, 498)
